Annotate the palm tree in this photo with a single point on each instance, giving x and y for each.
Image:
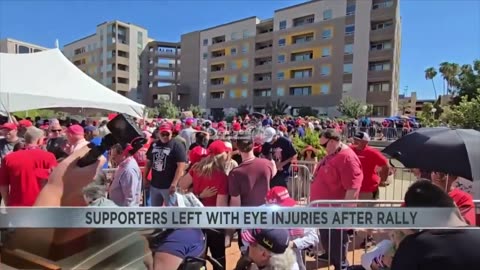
(430, 74)
(444, 70)
(276, 107)
(449, 72)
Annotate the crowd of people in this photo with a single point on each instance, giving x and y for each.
(244, 163)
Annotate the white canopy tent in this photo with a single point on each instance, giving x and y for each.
(49, 80)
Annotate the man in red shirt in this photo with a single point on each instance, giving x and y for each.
(22, 172)
(371, 160)
(337, 177)
(462, 199)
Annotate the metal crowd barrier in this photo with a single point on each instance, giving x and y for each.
(378, 133)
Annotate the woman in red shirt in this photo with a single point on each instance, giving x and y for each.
(210, 184)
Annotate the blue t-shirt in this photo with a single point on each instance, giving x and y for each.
(97, 141)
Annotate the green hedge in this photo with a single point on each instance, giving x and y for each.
(311, 138)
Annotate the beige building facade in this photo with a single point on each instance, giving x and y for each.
(10, 45)
(307, 55)
(112, 56)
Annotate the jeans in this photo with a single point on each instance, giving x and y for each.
(337, 250)
(280, 179)
(158, 196)
(146, 197)
(216, 246)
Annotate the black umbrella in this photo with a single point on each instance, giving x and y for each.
(452, 151)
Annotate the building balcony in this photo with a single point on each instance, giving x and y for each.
(266, 67)
(383, 12)
(380, 55)
(164, 78)
(122, 73)
(266, 51)
(120, 87)
(268, 36)
(165, 53)
(380, 75)
(382, 34)
(261, 100)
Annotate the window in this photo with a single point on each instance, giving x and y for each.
(326, 51)
(346, 88)
(246, 34)
(233, 65)
(217, 95)
(281, 42)
(282, 25)
(281, 58)
(379, 87)
(385, 4)
(379, 66)
(327, 33)
(381, 25)
(244, 78)
(379, 111)
(350, 9)
(244, 93)
(299, 74)
(205, 56)
(327, 14)
(245, 63)
(139, 39)
(325, 70)
(349, 30)
(233, 79)
(325, 88)
(280, 75)
(234, 36)
(301, 91)
(24, 49)
(347, 68)
(262, 92)
(302, 38)
(348, 49)
(302, 56)
(303, 20)
(378, 46)
(205, 42)
(233, 51)
(280, 91)
(245, 48)
(232, 94)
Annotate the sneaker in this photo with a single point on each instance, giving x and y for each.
(367, 243)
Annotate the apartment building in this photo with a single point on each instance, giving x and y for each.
(307, 55)
(9, 45)
(160, 63)
(112, 56)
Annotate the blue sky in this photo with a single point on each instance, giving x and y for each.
(433, 31)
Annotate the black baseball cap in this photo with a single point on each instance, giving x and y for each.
(273, 240)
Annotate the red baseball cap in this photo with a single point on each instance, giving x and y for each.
(196, 154)
(75, 130)
(189, 121)
(165, 127)
(236, 126)
(279, 196)
(217, 147)
(25, 123)
(9, 126)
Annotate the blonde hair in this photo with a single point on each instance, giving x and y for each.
(209, 164)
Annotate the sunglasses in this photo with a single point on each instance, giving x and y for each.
(56, 130)
(165, 134)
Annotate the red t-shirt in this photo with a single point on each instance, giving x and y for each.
(20, 171)
(341, 172)
(370, 158)
(218, 180)
(464, 202)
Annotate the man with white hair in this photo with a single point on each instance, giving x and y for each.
(23, 170)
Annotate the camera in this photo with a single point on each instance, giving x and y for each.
(124, 131)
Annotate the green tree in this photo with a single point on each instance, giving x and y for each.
(430, 74)
(276, 107)
(468, 81)
(353, 108)
(243, 110)
(465, 115)
(151, 112)
(310, 138)
(166, 109)
(196, 110)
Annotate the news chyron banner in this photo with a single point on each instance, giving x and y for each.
(227, 217)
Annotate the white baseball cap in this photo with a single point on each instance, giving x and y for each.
(268, 134)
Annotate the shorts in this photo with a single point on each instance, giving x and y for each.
(182, 243)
